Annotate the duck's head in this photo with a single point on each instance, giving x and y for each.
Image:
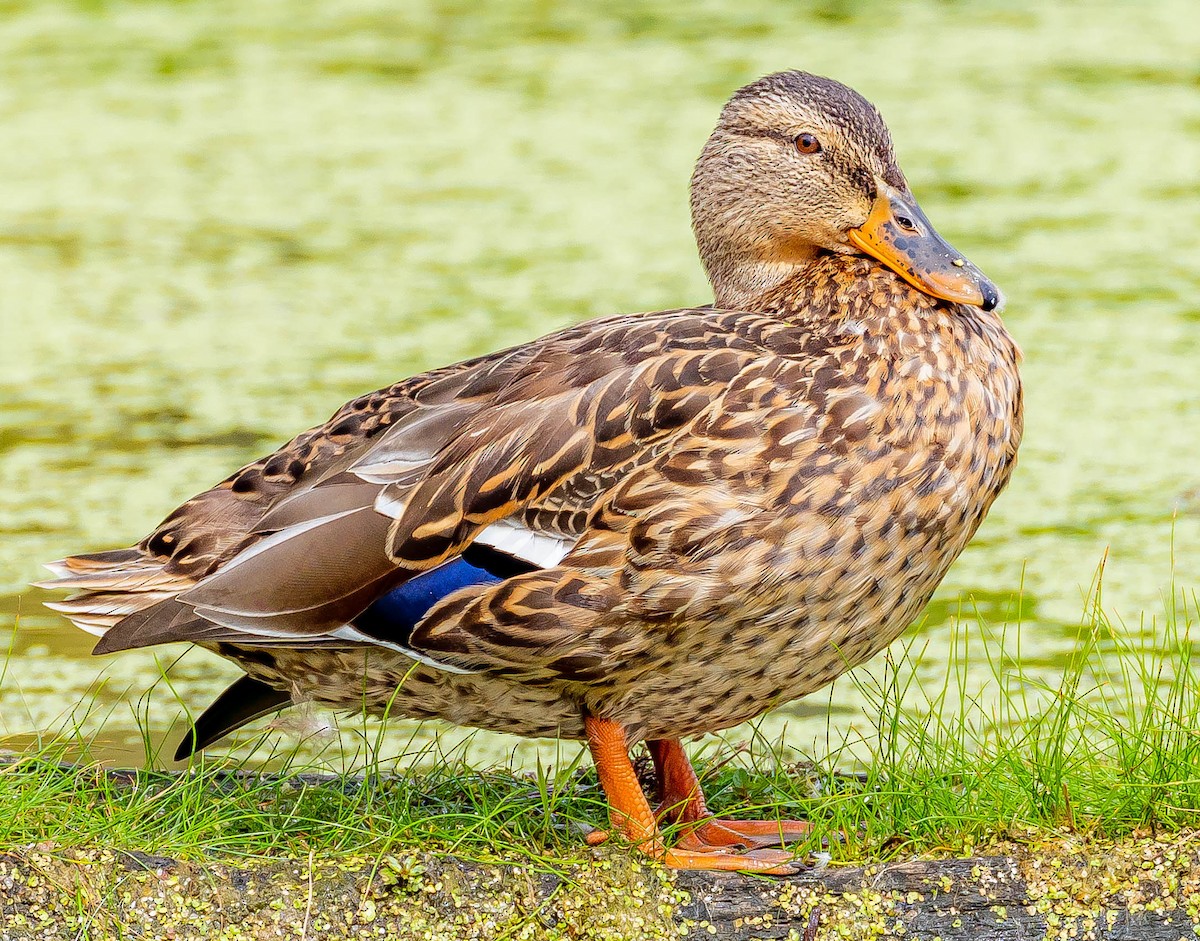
(800, 165)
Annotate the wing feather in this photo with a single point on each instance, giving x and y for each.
(293, 547)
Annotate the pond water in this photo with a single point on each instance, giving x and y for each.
(219, 221)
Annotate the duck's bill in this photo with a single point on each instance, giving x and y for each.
(899, 235)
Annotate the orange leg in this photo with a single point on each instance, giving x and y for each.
(682, 802)
(630, 813)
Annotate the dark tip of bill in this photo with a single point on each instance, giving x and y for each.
(992, 298)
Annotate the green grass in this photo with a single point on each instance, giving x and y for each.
(1111, 750)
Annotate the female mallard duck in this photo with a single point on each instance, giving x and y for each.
(645, 527)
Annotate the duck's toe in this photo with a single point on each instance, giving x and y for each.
(751, 834)
(768, 862)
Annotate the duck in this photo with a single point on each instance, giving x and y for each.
(643, 528)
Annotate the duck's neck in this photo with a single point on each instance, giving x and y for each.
(739, 287)
(780, 285)
(743, 281)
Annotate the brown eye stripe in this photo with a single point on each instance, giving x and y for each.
(766, 132)
(792, 140)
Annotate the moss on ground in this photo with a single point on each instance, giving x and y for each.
(1065, 887)
(105, 894)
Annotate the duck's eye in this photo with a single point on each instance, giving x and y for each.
(808, 144)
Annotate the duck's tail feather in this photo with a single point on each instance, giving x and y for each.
(110, 586)
(297, 586)
(244, 701)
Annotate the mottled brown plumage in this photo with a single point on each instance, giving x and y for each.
(733, 506)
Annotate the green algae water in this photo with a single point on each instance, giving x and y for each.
(218, 221)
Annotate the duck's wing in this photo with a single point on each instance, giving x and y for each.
(671, 548)
(511, 451)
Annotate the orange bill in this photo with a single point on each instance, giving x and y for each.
(899, 235)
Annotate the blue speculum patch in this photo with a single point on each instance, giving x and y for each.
(393, 616)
